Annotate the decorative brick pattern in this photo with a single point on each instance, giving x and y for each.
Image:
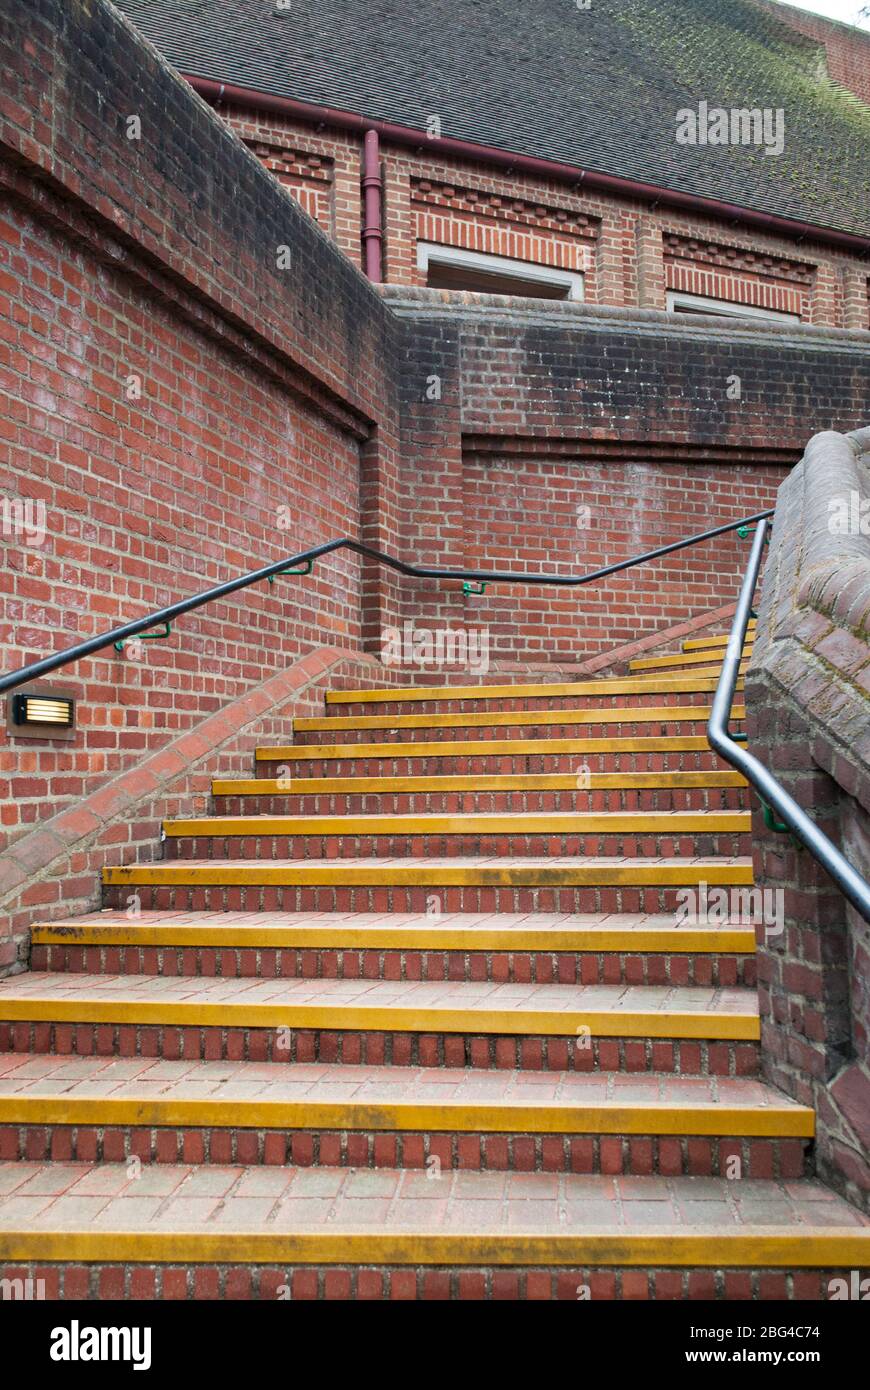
(738, 274)
(622, 247)
(308, 177)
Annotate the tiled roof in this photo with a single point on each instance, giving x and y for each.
(598, 88)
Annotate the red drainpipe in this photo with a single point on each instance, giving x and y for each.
(543, 168)
(372, 225)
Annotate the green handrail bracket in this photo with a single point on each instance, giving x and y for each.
(469, 588)
(166, 631)
(744, 532)
(771, 821)
(738, 737)
(306, 569)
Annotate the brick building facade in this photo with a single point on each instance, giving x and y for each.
(453, 217)
(626, 252)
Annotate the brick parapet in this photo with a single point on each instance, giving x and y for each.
(808, 702)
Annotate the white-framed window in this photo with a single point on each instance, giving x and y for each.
(722, 308)
(452, 268)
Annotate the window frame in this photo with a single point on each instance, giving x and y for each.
(429, 252)
(724, 308)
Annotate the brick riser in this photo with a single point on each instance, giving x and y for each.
(434, 765)
(111, 1282)
(639, 1156)
(628, 727)
(391, 898)
(600, 698)
(519, 967)
(351, 1047)
(357, 847)
(297, 803)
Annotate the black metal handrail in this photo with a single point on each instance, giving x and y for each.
(795, 819)
(793, 816)
(167, 615)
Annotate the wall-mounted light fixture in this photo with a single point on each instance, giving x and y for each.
(41, 712)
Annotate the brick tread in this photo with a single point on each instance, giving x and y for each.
(182, 1214)
(470, 930)
(454, 1006)
(497, 869)
(387, 1097)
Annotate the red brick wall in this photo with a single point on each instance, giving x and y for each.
(183, 408)
(528, 511)
(147, 501)
(755, 278)
(544, 410)
(322, 169)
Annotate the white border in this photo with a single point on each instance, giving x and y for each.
(429, 253)
(723, 308)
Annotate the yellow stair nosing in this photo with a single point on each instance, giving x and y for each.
(675, 940)
(713, 644)
(712, 668)
(474, 748)
(615, 685)
(469, 719)
(721, 639)
(352, 873)
(561, 1117)
(506, 823)
(508, 781)
(681, 660)
(614, 1023)
(752, 1247)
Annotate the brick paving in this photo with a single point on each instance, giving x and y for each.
(482, 997)
(32, 1075)
(105, 1197)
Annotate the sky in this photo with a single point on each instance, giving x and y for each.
(847, 11)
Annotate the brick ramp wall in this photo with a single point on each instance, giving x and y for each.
(54, 869)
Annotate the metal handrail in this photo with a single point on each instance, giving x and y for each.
(167, 615)
(850, 882)
(805, 830)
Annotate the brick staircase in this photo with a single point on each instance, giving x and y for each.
(412, 1014)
